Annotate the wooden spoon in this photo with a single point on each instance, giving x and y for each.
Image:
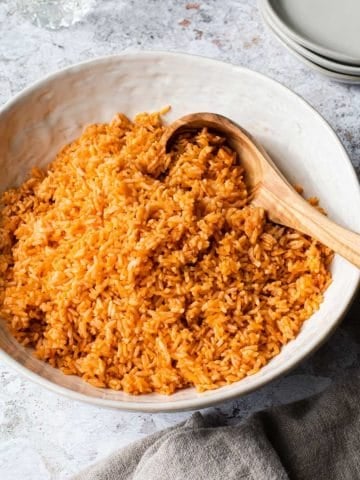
(269, 188)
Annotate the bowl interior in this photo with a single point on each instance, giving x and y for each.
(48, 115)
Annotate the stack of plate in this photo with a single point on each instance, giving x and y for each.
(323, 34)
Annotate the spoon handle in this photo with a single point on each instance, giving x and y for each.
(288, 208)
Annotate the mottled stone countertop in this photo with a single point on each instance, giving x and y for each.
(45, 436)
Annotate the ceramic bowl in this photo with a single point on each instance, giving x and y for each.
(44, 117)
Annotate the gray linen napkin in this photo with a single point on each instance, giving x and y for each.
(317, 438)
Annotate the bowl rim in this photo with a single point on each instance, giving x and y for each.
(217, 396)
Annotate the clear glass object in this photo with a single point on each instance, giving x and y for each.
(54, 14)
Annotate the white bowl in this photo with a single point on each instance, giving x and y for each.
(44, 117)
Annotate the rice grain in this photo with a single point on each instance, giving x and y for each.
(150, 272)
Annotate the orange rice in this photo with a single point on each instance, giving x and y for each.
(147, 272)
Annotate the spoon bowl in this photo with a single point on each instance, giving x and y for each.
(269, 188)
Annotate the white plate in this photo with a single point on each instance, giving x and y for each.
(338, 67)
(45, 116)
(328, 27)
(289, 45)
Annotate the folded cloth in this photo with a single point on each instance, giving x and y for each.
(317, 438)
